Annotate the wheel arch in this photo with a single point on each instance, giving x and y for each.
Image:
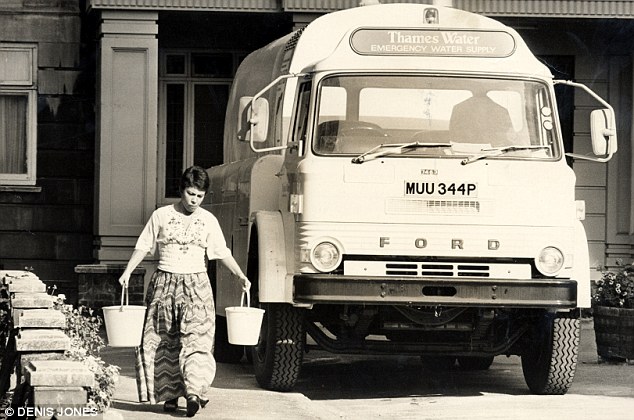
(581, 268)
(267, 258)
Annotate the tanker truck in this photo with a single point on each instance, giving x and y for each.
(395, 183)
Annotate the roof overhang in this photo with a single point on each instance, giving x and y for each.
(512, 8)
(550, 8)
(189, 5)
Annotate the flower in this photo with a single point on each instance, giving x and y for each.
(615, 288)
(83, 328)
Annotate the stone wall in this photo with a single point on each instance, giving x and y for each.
(49, 227)
(33, 363)
(98, 285)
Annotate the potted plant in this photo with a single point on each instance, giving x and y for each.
(613, 313)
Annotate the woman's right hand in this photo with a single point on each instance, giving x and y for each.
(124, 279)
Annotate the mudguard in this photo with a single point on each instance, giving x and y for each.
(272, 279)
(581, 266)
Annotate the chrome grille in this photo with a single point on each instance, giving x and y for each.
(403, 206)
(436, 269)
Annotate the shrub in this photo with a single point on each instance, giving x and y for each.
(83, 327)
(615, 288)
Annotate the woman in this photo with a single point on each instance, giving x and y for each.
(175, 358)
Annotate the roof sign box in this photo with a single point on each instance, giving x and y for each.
(446, 43)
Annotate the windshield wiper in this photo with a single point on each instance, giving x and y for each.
(498, 151)
(393, 149)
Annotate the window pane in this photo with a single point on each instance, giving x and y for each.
(332, 104)
(13, 134)
(212, 65)
(175, 64)
(174, 129)
(210, 104)
(459, 115)
(413, 109)
(303, 106)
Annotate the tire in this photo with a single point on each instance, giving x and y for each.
(223, 351)
(277, 358)
(475, 363)
(549, 364)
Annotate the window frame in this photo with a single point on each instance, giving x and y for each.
(353, 108)
(189, 81)
(26, 87)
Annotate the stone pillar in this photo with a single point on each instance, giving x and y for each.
(127, 138)
(98, 285)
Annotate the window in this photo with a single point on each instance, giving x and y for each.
(440, 116)
(301, 122)
(18, 117)
(194, 91)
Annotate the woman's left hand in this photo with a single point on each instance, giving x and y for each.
(246, 284)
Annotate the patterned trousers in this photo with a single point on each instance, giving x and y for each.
(175, 358)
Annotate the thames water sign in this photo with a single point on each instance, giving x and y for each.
(448, 43)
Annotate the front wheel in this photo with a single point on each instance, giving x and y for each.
(549, 364)
(277, 358)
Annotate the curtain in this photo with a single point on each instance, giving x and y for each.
(13, 134)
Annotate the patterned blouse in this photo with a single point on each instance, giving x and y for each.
(182, 248)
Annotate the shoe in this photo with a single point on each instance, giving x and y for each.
(203, 402)
(193, 405)
(170, 405)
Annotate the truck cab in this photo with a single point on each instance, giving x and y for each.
(395, 182)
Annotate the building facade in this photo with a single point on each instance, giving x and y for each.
(104, 102)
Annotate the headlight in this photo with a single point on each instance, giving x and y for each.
(549, 261)
(325, 257)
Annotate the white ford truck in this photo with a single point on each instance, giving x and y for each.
(395, 182)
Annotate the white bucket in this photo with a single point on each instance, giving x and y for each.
(244, 323)
(124, 323)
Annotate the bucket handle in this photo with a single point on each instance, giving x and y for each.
(124, 292)
(248, 298)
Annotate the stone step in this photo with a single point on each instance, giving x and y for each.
(26, 286)
(7, 276)
(58, 373)
(38, 318)
(60, 396)
(26, 357)
(32, 300)
(41, 340)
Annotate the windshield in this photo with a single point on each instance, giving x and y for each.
(469, 116)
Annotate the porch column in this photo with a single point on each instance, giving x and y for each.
(126, 115)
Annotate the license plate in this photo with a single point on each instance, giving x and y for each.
(440, 189)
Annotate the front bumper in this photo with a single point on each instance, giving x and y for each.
(474, 292)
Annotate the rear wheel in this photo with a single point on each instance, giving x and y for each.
(277, 358)
(549, 364)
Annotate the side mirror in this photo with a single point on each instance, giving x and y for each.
(243, 127)
(259, 120)
(603, 132)
(602, 127)
(253, 119)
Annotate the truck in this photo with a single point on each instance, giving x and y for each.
(395, 183)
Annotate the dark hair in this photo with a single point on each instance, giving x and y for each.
(196, 177)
